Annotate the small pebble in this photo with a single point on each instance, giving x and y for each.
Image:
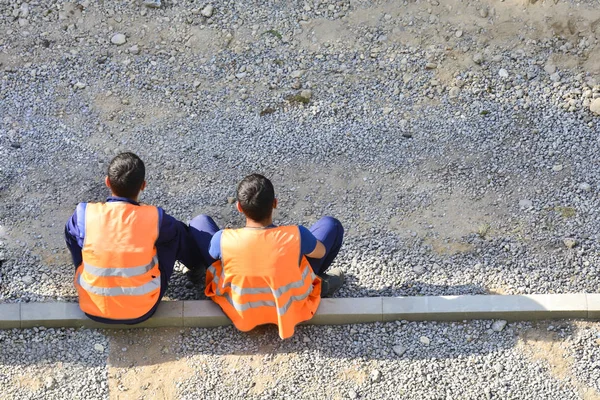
(152, 3)
(499, 325)
(586, 187)
(118, 39)
(399, 350)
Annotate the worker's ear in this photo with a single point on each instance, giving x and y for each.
(107, 182)
(239, 207)
(275, 203)
(143, 186)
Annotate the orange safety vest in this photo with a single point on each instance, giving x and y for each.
(263, 279)
(119, 276)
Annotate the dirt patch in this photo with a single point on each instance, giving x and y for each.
(354, 375)
(547, 347)
(323, 31)
(448, 247)
(204, 41)
(266, 369)
(447, 220)
(28, 382)
(493, 23)
(498, 290)
(146, 365)
(592, 64)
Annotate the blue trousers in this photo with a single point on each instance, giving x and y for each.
(327, 230)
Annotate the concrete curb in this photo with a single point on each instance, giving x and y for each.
(205, 313)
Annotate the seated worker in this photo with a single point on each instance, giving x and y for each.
(265, 273)
(125, 251)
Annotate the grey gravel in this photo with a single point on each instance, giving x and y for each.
(52, 363)
(410, 137)
(524, 360)
(521, 361)
(585, 186)
(424, 167)
(525, 204)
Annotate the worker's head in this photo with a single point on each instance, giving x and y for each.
(256, 197)
(125, 176)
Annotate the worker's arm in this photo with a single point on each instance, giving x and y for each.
(309, 245)
(215, 245)
(318, 252)
(74, 233)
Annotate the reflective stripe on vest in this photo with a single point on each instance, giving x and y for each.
(119, 290)
(262, 278)
(277, 293)
(123, 272)
(119, 277)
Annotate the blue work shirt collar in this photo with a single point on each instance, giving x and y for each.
(261, 227)
(125, 199)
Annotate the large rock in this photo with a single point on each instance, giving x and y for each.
(595, 106)
(208, 10)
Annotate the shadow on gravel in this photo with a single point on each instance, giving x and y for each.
(396, 340)
(409, 288)
(32, 297)
(181, 289)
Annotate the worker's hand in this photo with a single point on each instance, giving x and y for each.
(318, 252)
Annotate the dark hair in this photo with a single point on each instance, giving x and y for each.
(255, 194)
(126, 174)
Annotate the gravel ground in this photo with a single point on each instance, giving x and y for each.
(456, 141)
(400, 360)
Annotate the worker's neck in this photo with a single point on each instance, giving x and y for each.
(259, 224)
(130, 198)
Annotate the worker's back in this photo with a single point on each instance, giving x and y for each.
(262, 277)
(119, 277)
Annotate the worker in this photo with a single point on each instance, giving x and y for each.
(124, 252)
(263, 273)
